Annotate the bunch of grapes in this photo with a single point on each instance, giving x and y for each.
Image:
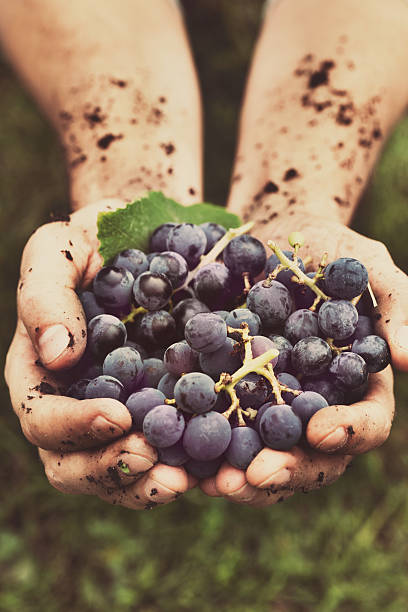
(214, 366)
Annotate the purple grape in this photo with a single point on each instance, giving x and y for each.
(338, 319)
(112, 287)
(194, 393)
(189, 240)
(141, 402)
(345, 278)
(203, 469)
(289, 381)
(138, 347)
(125, 364)
(213, 232)
(285, 276)
(205, 332)
(152, 291)
(301, 324)
(260, 412)
(349, 370)
(154, 370)
(273, 303)
(244, 315)
(325, 387)
(174, 455)
(212, 285)
(280, 428)
(172, 265)
(186, 310)
(252, 390)
(245, 254)
(244, 446)
(166, 385)
(207, 436)
(311, 356)
(284, 347)
(163, 426)
(225, 359)
(180, 358)
(158, 240)
(133, 260)
(262, 344)
(306, 405)
(375, 352)
(90, 305)
(105, 333)
(105, 386)
(303, 295)
(157, 328)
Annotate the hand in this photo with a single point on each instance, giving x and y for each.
(341, 431)
(85, 446)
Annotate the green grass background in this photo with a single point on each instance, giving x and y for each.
(339, 549)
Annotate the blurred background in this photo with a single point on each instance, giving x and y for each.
(339, 549)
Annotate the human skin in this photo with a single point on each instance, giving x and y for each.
(319, 104)
(141, 146)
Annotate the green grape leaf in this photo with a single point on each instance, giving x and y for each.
(131, 227)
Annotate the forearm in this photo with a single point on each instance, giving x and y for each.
(324, 91)
(117, 80)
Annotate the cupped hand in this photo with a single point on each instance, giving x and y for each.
(335, 433)
(86, 446)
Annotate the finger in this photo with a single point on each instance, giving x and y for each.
(90, 472)
(298, 469)
(161, 485)
(208, 487)
(359, 427)
(50, 420)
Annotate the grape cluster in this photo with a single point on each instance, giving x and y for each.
(214, 366)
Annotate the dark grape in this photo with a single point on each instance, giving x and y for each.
(163, 426)
(138, 347)
(174, 455)
(154, 370)
(252, 390)
(194, 393)
(152, 291)
(90, 305)
(172, 265)
(189, 240)
(133, 260)
(260, 412)
(207, 436)
(303, 295)
(284, 347)
(311, 356)
(345, 278)
(105, 333)
(326, 387)
(301, 324)
(244, 315)
(213, 232)
(338, 319)
(203, 469)
(205, 332)
(212, 285)
(105, 386)
(222, 313)
(280, 428)
(260, 345)
(292, 383)
(166, 385)
(244, 446)
(245, 254)
(349, 370)
(158, 240)
(185, 310)
(307, 404)
(141, 402)
(78, 389)
(157, 328)
(180, 358)
(273, 303)
(225, 359)
(285, 276)
(125, 364)
(112, 287)
(375, 352)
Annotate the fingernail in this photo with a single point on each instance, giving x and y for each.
(401, 337)
(277, 478)
(132, 465)
(103, 429)
(334, 440)
(246, 493)
(53, 342)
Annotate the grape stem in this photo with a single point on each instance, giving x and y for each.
(337, 349)
(133, 314)
(217, 250)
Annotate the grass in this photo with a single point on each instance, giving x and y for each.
(339, 549)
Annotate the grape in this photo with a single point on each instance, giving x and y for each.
(375, 352)
(223, 402)
(112, 286)
(189, 240)
(166, 385)
(338, 319)
(78, 389)
(158, 240)
(244, 446)
(212, 285)
(273, 304)
(311, 356)
(157, 328)
(252, 390)
(222, 313)
(289, 381)
(345, 278)
(285, 353)
(259, 346)
(365, 304)
(174, 455)
(194, 392)
(306, 404)
(260, 412)
(349, 370)
(182, 294)
(105, 386)
(207, 436)
(205, 332)
(152, 291)
(203, 469)
(151, 256)
(90, 305)
(180, 358)
(138, 347)
(303, 295)
(105, 333)
(141, 402)
(301, 324)
(172, 265)
(364, 328)
(325, 387)
(126, 365)
(245, 254)
(133, 260)
(356, 395)
(213, 233)
(244, 315)
(185, 310)
(280, 428)
(154, 370)
(163, 426)
(225, 359)
(285, 276)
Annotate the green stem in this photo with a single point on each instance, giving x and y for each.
(133, 314)
(247, 368)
